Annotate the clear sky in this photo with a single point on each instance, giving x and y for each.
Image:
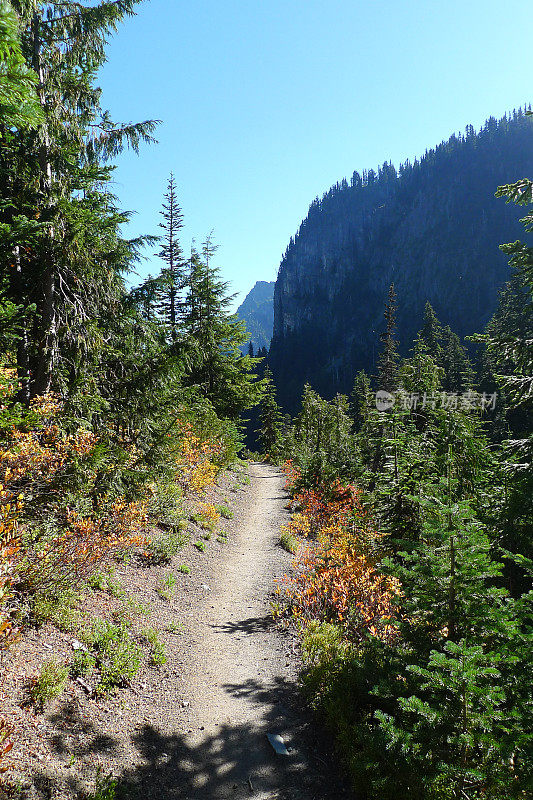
(266, 103)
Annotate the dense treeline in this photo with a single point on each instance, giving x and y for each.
(112, 399)
(431, 227)
(415, 592)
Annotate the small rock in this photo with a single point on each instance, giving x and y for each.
(278, 744)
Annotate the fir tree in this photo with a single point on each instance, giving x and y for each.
(458, 370)
(171, 253)
(360, 399)
(60, 173)
(213, 338)
(19, 105)
(270, 419)
(388, 359)
(431, 333)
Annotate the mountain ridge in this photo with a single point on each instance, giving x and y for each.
(433, 228)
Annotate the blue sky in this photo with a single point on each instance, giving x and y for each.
(266, 103)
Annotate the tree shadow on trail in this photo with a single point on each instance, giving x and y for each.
(234, 760)
(250, 625)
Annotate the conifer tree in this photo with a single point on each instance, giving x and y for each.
(60, 172)
(19, 105)
(388, 359)
(213, 338)
(431, 333)
(360, 399)
(270, 419)
(171, 253)
(458, 371)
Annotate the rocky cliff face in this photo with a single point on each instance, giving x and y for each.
(257, 311)
(433, 229)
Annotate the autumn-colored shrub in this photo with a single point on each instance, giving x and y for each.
(51, 530)
(333, 579)
(336, 584)
(10, 510)
(207, 516)
(71, 553)
(6, 743)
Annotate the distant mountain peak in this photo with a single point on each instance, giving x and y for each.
(257, 311)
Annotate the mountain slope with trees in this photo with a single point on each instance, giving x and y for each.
(432, 228)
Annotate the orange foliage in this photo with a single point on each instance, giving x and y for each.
(334, 580)
(86, 542)
(10, 509)
(34, 457)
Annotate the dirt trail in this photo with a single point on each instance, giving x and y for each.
(240, 669)
(239, 679)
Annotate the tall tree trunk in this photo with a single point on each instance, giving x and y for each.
(46, 339)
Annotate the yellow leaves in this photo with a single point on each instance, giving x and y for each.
(195, 466)
(208, 514)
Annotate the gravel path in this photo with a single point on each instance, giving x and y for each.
(239, 682)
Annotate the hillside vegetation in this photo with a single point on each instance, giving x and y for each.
(115, 403)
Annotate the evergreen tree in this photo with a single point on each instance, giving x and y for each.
(458, 370)
(270, 420)
(57, 175)
(431, 334)
(510, 353)
(213, 339)
(388, 359)
(171, 253)
(361, 398)
(19, 105)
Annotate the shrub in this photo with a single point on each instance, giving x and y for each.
(106, 788)
(224, 511)
(200, 546)
(288, 541)
(166, 586)
(50, 683)
(10, 510)
(6, 743)
(117, 656)
(207, 516)
(165, 505)
(60, 606)
(83, 664)
(69, 551)
(165, 545)
(175, 627)
(184, 569)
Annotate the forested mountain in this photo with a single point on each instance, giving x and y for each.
(433, 228)
(257, 311)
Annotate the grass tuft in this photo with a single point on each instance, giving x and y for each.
(50, 683)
